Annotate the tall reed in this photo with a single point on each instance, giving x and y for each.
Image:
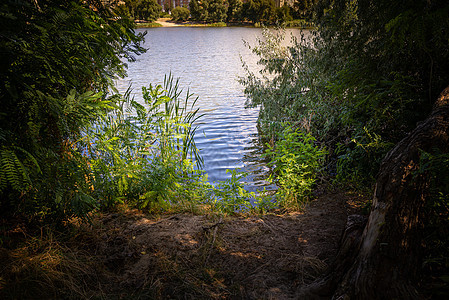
(143, 153)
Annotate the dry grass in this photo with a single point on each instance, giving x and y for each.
(130, 255)
(43, 267)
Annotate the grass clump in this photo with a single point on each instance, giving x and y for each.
(41, 266)
(218, 24)
(148, 25)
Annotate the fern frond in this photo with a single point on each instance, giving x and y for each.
(9, 168)
(13, 170)
(30, 157)
(3, 182)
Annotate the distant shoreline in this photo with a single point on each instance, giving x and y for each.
(167, 22)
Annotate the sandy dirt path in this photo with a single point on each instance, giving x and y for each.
(212, 257)
(165, 22)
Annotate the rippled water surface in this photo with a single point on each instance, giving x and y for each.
(207, 61)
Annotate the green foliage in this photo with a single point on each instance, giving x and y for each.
(14, 173)
(234, 12)
(148, 10)
(384, 71)
(216, 11)
(300, 23)
(219, 24)
(196, 10)
(148, 25)
(357, 159)
(359, 83)
(58, 61)
(263, 11)
(123, 10)
(257, 11)
(296, 160)
(208, 10)
(229, 196)
(284, 89)
(143, 153)
(283, 14)
(303, 9)
(181, 14)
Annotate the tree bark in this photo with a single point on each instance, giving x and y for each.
(384, 261)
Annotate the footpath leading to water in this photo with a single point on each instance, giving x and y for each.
(166, 22)
(213, 257)
(129, 254)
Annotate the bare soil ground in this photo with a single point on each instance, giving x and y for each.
(166, 22)
(130, 255)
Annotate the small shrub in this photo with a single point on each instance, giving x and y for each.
(296, 161)
(180, 14)
(230, 196)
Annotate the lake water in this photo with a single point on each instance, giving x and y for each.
(207, 61)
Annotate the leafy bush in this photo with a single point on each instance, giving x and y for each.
(283, 14)
(219, 24)
(299, 23)
(331, 84)
(357, 159)
(180, 14)
(296, 161)
(229, 196)
(148, 10)
(59, 59)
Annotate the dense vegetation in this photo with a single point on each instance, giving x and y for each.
(180, 14)
(359, 84)
(217, 11)
(58, 62)
(255, 11)
(331, 105)
(148, 10)
(70, 144)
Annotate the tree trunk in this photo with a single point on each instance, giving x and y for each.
(384, 261)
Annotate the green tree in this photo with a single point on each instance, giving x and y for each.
(123, 10)
(204, 7)
(234, 12)
(200, 10)
(283, 14)
(59, 59)
(180, 14)
(148, 10)
(303, 9)
(195, 10)
(260, 10)
(132, 7)
(216, 11)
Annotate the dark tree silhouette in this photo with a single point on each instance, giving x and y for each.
(384, 262)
